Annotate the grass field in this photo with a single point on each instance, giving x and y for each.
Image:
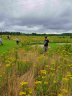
(26, 71)
(7, 45)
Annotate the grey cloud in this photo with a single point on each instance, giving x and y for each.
(30, 15)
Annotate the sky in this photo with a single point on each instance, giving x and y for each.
(36, 16)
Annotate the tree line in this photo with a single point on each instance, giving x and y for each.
(34, 34)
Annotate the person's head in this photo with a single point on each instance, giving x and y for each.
(45, 37)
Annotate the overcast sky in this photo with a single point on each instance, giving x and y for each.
(41, 16)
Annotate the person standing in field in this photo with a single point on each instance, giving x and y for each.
(1, 43)
(46, 41)
(8, 37)
(17, 41)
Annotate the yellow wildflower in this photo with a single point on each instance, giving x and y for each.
(24, 83)
(54, 81)
(46, 66)
(0, 76)
(65, 79)
(64, 90)
(30, 90)
(70, 77)
(60, 95)
(43, 77)
(22, 93)
(28, 95)
(46, 82)
(43, 71)
(70, 65)
(69, 74)
(38, 82)
(8, 65)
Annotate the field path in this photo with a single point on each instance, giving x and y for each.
(28, 77)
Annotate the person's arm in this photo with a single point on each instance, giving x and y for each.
(48, 41)
(45, 42)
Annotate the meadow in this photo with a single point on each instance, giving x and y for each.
(25, 70)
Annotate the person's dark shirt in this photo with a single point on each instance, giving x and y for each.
(46, 42)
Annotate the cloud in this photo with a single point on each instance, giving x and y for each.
(1, 24)
(52, 16)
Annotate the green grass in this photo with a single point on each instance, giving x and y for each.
(53, 45)
(7, 45)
